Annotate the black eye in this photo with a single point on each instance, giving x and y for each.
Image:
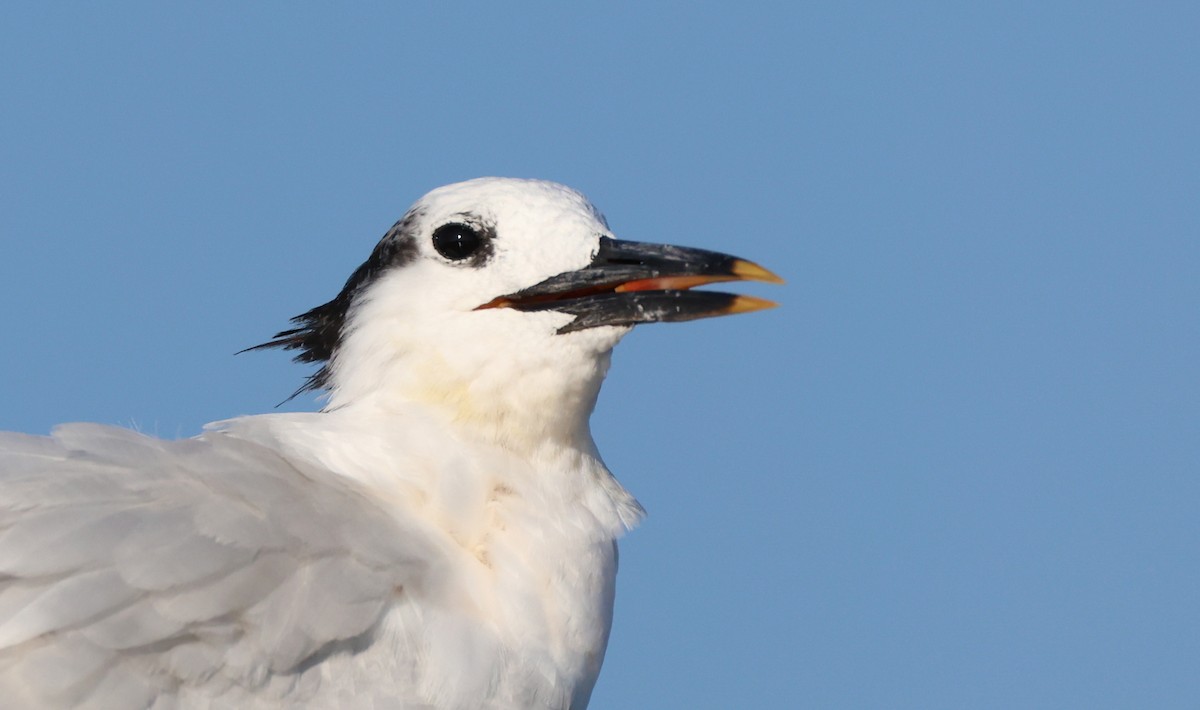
(456, 241)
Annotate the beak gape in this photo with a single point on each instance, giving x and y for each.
(634, 282)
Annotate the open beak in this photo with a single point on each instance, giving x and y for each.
(634, 282)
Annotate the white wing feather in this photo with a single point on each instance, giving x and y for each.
(135, 572)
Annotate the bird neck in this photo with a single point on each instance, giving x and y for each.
(525, 414)
(518, 398)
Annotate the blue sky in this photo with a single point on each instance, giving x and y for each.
(957, 468)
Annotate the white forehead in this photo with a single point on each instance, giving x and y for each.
(518, 202)
(537, 229)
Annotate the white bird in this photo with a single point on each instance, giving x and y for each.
(441, 535)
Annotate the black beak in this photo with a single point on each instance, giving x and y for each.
(633, 282)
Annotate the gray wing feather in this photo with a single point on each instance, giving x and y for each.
(133, 569)
(66, 602)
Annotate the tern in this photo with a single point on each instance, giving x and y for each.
(441, 535)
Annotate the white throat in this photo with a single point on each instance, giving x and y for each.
(501, 376)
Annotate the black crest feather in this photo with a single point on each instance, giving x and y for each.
(318, 332)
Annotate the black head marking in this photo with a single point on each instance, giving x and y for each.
(319, 331)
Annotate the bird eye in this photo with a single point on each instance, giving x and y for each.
(456, 241)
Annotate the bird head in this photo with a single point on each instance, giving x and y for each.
(498, 301)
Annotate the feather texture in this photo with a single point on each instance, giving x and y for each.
(125, 556)
(236, 570)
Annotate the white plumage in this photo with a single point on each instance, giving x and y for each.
(442, 535)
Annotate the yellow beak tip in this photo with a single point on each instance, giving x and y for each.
(750, 271)
(749, 304)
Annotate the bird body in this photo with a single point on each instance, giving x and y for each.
(441, 535)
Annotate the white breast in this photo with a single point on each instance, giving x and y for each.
(519, 609)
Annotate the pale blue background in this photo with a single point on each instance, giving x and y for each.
(958, 468)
